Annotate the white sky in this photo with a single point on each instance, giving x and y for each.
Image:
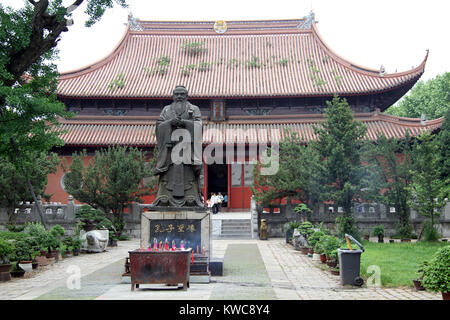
(393, 33)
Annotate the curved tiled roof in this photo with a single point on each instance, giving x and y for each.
(95, 131)
(251, 59)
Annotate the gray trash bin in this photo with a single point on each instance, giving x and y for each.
(349, 265)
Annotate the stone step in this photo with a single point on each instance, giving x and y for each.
(224, 228)
(236, 223)
(235, 236)
(235, 228)
(235, 232)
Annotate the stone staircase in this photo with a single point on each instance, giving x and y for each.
(236, 228)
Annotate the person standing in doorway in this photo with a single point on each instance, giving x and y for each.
(225, 201)
(219, 201)
(213, 203)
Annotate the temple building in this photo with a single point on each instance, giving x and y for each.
(250, 79)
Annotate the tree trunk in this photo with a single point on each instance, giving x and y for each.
(11, 215)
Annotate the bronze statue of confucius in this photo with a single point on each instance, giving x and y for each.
(179, 162)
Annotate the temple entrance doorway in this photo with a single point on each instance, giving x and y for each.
(217, 179)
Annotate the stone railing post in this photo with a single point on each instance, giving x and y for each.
(70, 209)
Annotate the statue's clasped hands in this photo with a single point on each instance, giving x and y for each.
(177, 122)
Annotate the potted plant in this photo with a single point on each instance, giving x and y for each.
(333, 261)
(330, 244)
(6, 250)
(418, 282)
(57, 247)
(312, 241)
(306, 229)
(76, 244)
(24, 253)
(17, 271)
(366, 235)
(303, 210)
(89, 217)
(437, 273)
(68, 242)
(289, 228)
(378, 231)
(319, 249)
(334, 271)
(112, 241)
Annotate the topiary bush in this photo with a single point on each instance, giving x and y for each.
(306, 229)
(437, 273)
(6, 251)
(330, 243)
(315, 237)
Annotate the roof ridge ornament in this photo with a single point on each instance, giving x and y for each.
(133, 23)
(382, 71)
(220, 26)
(423, 119)
(308, 21)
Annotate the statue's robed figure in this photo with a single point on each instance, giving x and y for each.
(179, 164)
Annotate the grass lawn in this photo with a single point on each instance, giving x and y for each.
(398, 262)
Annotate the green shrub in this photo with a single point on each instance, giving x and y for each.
(124, 237)
(378, 230)
(330, 243)
(334, 254)
(14, 228)
(6, 250)
(430, 233)
(318, 248)
(57, 231)
(291, 226)
(88, 214)
(9, 235)
(34, 229)
(76, 242)
(437, 272)
(403, 231)
(302, 209)
(315, 237)
(306, 229)
(25, 250)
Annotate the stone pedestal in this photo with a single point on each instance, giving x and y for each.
(191, 225)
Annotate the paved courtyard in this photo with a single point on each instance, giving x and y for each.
(253, 269)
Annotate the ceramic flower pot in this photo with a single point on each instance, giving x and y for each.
(17, 273)
(418, 285)
(445, 295)
(334, 272)
(5, 267)
(26, 266)
(323, 258)
(316, 257)
(332, 263)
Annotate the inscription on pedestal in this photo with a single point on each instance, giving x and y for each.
(174, 229)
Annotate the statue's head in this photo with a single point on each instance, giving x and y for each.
(180, 93)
